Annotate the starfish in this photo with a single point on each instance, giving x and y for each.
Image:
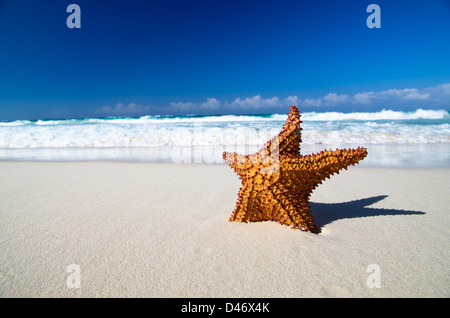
(277, 181)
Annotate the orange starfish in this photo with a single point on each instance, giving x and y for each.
(277, 181)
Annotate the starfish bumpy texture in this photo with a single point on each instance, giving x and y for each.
(277, 181)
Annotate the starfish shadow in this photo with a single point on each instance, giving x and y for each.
(325, 213)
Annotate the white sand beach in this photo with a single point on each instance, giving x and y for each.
(162, 230)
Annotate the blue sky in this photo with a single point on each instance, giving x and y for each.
(132, 58)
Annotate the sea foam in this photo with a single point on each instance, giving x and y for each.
(384, 127)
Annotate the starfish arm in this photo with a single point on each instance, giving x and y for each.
(240, 212)
(326, 163)
(287, 142)
(249, 207)
(291, 135)
(291, 209)
(333, 161)
(238, 162)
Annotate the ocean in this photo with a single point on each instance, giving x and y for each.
(410, 139)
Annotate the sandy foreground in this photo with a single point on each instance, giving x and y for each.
(162, 230)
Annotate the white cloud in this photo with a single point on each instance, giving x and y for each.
(254, 102)
(363, 98)
(211, 103)
(124, 110)
(416, 95)
(390, 93)
(181, 107)
(292, 100)
(311, 102)
(435, 96)
(440, 91)
(406, 93)
(333, 99)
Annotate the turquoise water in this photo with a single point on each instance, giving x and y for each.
(410, 139)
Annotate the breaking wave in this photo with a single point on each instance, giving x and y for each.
(383, 127)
